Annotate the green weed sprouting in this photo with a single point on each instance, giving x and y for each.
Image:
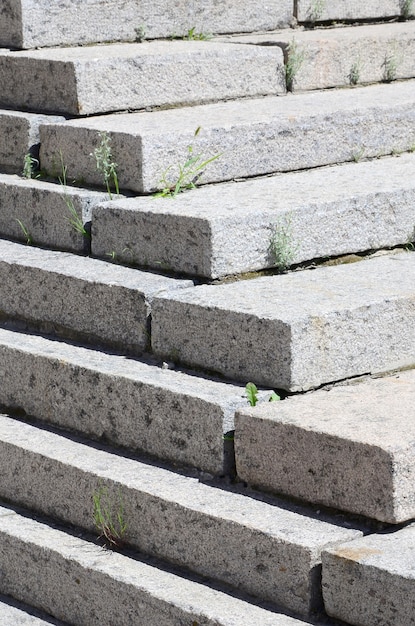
(74, 219)
(294, 59)
(109, 518)
(25, 232)
(105, 163)
(30, 166)
(251, 391)
(282, 246)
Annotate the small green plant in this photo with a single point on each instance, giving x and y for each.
(30, 166)
(390, 66)
(192, 35)
(74, 219)
(358, 154)
(355, 71)
(294, 59)
(316, 10)
(282, 246)
(105, 163)
(406, 8)
(25, 232)
(188, 173)
(252, 395)
(109, 518)
(140, 33)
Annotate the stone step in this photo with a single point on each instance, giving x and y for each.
(168, 414)
(73, 578)
(19, 136)
(295, 331)
(269, 551)
(234, 228)
(23, 23)
(13, 613)
(312, 11)
(336, 57)
(47, 214)
(349, 448)
(79, 297)
(249, 137)
(371, 581)
(100, 79)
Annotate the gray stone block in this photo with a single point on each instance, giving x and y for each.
(23, 24)
(345, 56)
(352, 10)
(226, 229)
(295, 331)
(253, 137)
(371, 580)
(16, 614)
(19, 135)
(349, 448)
(160, 73)
(79, 296)
(162, 412)
(84, 584)
(261, 548)
(47, 211)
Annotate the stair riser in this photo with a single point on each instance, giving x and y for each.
(338, 10)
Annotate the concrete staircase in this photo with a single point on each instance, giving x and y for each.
(137, 485)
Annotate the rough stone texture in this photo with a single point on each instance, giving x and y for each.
(343, 56)
(45, 210)
(88, 585)
(371, 581)
(19, 135)
(162, 412)
(332, 10)
(299, 330)
(349, 448)
(99, 79)
(253, 137)
(16, 614)
(94, 300)
(226, 229)
(23, 24)
(266, 550)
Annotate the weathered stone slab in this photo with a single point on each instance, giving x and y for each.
(16, 614)
(83, 297)
(335, 10)
(260, 548)
(253, 137)
(299, 330)
(226, 229)
(47, 567)
(23, 24)
(162, 412)
(19, 135)
(160, 73)
(51, 215)
(349, 448)
(344, 56)
(371, 580)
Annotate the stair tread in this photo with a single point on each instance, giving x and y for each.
(225, 229)
(299, 330)
(75, 81)
(66, 575)
(264, 549)
(348, 448)
(253, 136)
(16, 614)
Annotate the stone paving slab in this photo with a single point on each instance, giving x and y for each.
(47, 212)
(168, 414)
(372, 580)
(19, 135)
(335, 57)
(89, 585)
(226, 229)
(79, 296)
(352, 10)
(265, 550)
(23, 23)
(15, 614)
(349, 448)
(77, 81)
(295, 331)
(253, 136)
